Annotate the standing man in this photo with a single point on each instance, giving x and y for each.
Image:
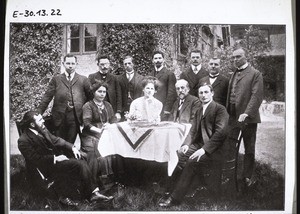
(166, 92)
(186, 105)
(114, 90)
(70, 91)
(203, 146)
(43, 154)
(244, 98)
(195, 72)
(217, 80)
(130, 83)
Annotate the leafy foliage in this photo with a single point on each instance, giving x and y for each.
(35, 51)
(137, 40)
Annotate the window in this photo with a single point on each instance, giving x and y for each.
(226, 36)
(81, 38)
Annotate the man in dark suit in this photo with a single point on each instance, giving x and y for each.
(195, 72)
(166, 92)
(186, 105)
(217, 80)
(70, 91)
(45, 152)
(130, 83)
(113, 96)
(244, 98)
(202, 147)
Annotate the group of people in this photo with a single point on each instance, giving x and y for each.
(212, 103)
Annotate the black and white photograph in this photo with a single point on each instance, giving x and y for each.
(125, 110)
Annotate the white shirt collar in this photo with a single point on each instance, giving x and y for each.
(205, 106)
(34, 131)
(72, 75)
(198, 67)
(243, 66)
(158, 69)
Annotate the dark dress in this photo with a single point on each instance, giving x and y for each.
(94, 116)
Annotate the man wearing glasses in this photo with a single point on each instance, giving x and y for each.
(114, 96)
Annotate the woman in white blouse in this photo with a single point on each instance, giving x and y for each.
(146, 108)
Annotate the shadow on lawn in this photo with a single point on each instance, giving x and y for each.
(267, 194)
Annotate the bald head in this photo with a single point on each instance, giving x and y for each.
(182, 88)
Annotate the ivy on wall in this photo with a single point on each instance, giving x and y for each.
(35, 51)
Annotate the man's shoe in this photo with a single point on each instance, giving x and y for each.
(168, 202)
(68, 202)
(97, 196)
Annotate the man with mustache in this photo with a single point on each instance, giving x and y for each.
(244, 97)
(218, 81)
(166, 92)
(186, 105)
(70, 91)
(114, 96)
(195, 72)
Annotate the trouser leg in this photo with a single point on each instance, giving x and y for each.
(249, 137)
(68, 129)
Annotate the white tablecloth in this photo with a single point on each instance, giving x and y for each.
(156, 143)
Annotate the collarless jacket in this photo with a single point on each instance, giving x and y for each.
(58, 89)
(114, 90)
(248, 94)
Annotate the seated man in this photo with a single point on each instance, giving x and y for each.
(186, 105)
(43, 150)
(202, 146)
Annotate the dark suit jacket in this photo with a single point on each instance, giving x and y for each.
(137, 91)
(209, 130)
(39, 153)
(166, 92)
(59, 88)
(193, 79)
(187, 112)
(220, 87)
(114, 90)
(249, 94)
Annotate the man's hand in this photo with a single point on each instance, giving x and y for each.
(60, 158)
(184, 149)
(118, 116)
(197, 154)
(76, 152)
(242, 117)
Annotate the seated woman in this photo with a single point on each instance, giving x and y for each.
(97, 113)
(146, 108)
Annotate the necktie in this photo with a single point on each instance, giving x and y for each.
(69, 77)
(129, 76)
(213, 77)
(195, 70)
(180, 104)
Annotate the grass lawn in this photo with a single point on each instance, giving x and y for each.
(267, 194)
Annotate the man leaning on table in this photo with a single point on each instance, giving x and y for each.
(202, 147)
(186, 105)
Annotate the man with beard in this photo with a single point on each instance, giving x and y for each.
(166, 92)
(130, 83)
(244, 97)
(45, 153)
(186, 105)
(217, 80)
(70, 91)
(114, 96)
(195, 72)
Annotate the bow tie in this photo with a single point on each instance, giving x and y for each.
(213, 77)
